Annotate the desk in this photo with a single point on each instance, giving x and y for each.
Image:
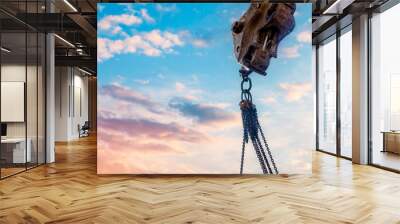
(391, 142)
(18, 150)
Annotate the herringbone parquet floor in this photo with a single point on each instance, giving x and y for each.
(69, 191)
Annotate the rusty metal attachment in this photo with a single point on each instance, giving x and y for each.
(257, 34)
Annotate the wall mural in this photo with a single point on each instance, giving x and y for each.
(204, 88)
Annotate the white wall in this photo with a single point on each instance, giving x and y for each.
(17, 73)
(80, 109)
(61, 103)
(71, 94)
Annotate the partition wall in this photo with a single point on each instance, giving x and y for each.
(22, 77)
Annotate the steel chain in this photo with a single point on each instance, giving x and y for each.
(252, 127)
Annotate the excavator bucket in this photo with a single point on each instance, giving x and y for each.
(257, 34)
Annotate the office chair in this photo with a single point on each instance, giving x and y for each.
(84, 130)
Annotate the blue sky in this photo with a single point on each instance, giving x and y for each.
(177, 60)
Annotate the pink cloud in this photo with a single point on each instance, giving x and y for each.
(152, 129)
(165, 40)
(119, 141)
(296, 91)
(146, 16)
(179, 86)
(304, 37)
(116, 162)
(102, 49)
(128, 95)
(114, 20)
(291, 52)
(133, 139)
(200, 43)
(269, 100)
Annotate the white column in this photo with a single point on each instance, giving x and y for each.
(50, 100)
(360, 90)
(50, 91)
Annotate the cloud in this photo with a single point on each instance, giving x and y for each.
(296, 91)
(165, 7)
(291, 52)
(112, 21)
(144, 128)
(116, 30)
(102, 49)
(142, 81)
(128, 7)
(161, 76)
(202, 113)
(179, 86)
(164, 40)
(128, 95)
(195, 78)
(189, 92)
(146, 16)
(118, 141)
(269, 100)
(152, 44)
(304, 37)
(200, 43)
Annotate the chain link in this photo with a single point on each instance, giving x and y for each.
(252, 127)
(246, 95)
(267, 148)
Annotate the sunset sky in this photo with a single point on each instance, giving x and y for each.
(169, 90)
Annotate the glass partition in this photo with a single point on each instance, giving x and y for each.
(327, 96)
(385, 89)
(13, 109)
(22, 78)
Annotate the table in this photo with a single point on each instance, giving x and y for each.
(391, 141)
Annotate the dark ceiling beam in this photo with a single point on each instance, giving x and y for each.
(78, 61)
(329, 31)
(15, 18)
(322, 22)
(83, 23)
(53, 22)
(91, 5)
(204, 1)
(49, 22)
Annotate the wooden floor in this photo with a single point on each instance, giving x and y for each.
(5, 172)
(69, 191)
(387, 159)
